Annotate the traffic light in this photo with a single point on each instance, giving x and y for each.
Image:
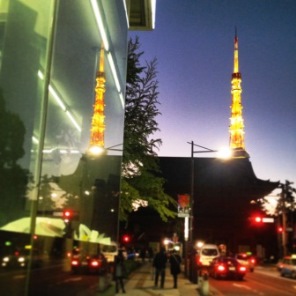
(68, 215)
(258, 219)
(126, 238)
(280, 229)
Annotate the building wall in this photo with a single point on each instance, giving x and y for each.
(48, 62)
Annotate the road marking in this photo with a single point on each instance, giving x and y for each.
(74, 279)
(248, 288)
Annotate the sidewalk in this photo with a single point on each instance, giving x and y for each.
(141, 283)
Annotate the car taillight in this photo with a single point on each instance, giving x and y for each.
(220, 267)
(242, 269)
(95, 263)
(75, 262)
(253, 261)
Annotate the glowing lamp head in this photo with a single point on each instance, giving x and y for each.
(96, 150)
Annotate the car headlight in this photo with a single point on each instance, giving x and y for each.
(21, 259)
(5, 259)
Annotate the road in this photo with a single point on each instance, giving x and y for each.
(56, 280)
(50, 280)
(262, 282)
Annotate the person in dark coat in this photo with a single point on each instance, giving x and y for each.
(159, 263)
(175, 266)
(119, 271)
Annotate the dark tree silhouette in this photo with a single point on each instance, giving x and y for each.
(141, 174)
(13, 178)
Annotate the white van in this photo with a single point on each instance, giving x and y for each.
(206, 254)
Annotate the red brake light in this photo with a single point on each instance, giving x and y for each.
(221, 267)
(75, 262)
(242, 269)
(253, 260)
(94, 263)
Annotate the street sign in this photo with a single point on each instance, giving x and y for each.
(267, 220)
(183, 214)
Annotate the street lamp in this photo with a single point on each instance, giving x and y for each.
(205, 150)
(192, 270)
(96, 150)
(95, 172)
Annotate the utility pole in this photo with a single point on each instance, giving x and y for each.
(286, 198)
(193, 275)
(284, 223)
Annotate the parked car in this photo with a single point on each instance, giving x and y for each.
(206, 254)
(227, 267)
(247, 260)
(89, 264)
(288, 266)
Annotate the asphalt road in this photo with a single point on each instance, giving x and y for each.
(264, 281)
(56, 280)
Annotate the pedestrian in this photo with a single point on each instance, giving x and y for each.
(150, 254)
(175, 266)
(143, 254)
(159, 263)
(119, 271)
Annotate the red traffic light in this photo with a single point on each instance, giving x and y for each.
(280, 229)
(258, 219)
(126, 238)
(67, 215)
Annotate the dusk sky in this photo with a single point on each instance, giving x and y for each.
(193, 43)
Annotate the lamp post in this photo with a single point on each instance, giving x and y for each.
(95, 172)
(193, 276)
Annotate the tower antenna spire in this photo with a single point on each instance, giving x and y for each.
(236, 128)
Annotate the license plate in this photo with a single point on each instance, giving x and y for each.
(231, 268)
(84, 263)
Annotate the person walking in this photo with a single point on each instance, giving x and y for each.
(175, 266)
(159, 263)
(119, 271)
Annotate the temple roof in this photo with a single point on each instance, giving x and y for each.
(223, 196)
(236, 173)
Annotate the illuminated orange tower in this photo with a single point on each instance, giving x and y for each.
(236, 128)
(98, 119)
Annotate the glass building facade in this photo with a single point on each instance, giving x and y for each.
(57, 201)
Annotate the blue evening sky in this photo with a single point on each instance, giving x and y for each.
(193, 43)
